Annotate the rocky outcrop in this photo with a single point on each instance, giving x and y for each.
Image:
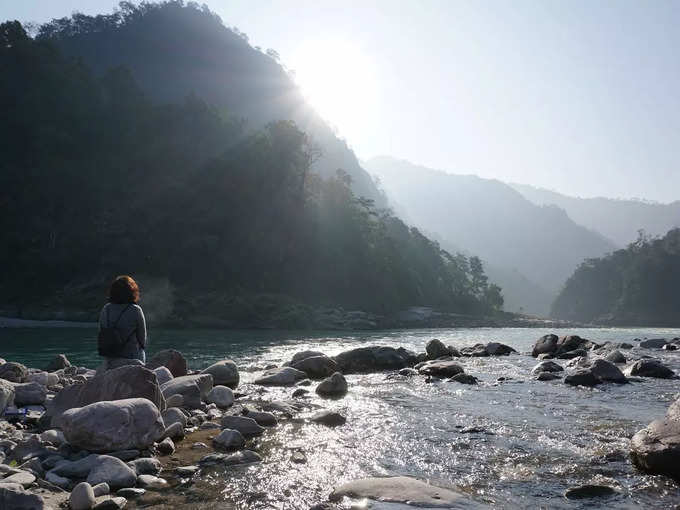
(656, 448)
(111, 426)
(333, 386)
(171, 359)
(374, 359)
(650, 368)
(224, 373)
(118, 384)
(400, 489)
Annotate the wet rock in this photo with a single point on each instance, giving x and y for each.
(244, 457)
(6, 395)
(82, 497)
(151, 482)
(670, 347)
(606, 371)
(172, 360)
(245, 425)
(400, 489)
(582, 377)
(547, 344)
(131, 492)
(589, 491)
(464, 379)
(316, 367)
(224, 373)
(653, 343)
(30, 393)
(59, 362)
(547, 366)
(615, 357)
(163, 375)
(436, 349)
(408, 372)
(441, 368)
(174, 415)
(229, 439)
(498, 349)
(284, 376)
(166, 447)
(650, 368)
(222, 396)
(624, 345)
(298, 457)
(656, 448)
(108, 426)
(374, 359)
(548, 376)
(13, 372)
(329, 418)
(262, 418)
(113, 472)
(300, 392)
(186, 470)
(17, 499)
(475, 351)
(119, 384)
(333, 386)
(576, 353)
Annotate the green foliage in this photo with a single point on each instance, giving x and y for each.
(635, 286)
(96, 179)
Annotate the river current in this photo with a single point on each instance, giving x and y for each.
(510, 441)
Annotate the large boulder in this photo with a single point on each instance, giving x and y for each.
(133, 423)
(571, 343)
(441, 368)
(374, 359)
(316, 367)
(547, 344)
(606, 371)
(656, 448)
(13, 372)
(30, 393)
(283, 376)
(192, 388)
(224, 373)
(118, 384)
(333, 386)
(650, 368)
(171, 359)
(6, 395)
(400, 489)
(435, 348)
(112, 471)
(653, 343)
(59, 362)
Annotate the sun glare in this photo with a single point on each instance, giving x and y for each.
(338, 80)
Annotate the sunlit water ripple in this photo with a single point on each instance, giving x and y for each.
(531, 440)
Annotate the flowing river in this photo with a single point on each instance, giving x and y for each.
(510, 441)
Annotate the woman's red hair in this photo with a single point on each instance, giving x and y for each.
(124, 290)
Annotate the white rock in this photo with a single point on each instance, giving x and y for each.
(82, 497)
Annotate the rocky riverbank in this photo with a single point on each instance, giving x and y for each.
(125, 434)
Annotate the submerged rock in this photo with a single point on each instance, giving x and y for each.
(284, 376)
(441, 368)
(110, 426)
(333, 386)
(548, 376)
(653, 343)
(400, 489)
(464, 379)
(329, 418)
(589, 491)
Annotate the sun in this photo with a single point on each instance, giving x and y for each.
(338, 80)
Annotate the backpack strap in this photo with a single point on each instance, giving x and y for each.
(121, 314)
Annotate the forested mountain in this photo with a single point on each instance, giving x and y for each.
(616, 219)
(174, 50)
(636, 286)
(99, 178)
(535, 247)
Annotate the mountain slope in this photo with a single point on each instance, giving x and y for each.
(491, 219)
(618, 220)
(637, 286)
(175, 50)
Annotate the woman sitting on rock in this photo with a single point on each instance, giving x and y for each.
(122, 328)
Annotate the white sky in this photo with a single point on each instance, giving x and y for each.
(573, 95)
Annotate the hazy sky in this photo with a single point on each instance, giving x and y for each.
(579, 96)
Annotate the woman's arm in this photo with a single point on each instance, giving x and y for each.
(141, 328)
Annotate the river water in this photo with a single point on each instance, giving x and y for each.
(513, 443)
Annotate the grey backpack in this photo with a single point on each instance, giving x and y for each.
(110, 342)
